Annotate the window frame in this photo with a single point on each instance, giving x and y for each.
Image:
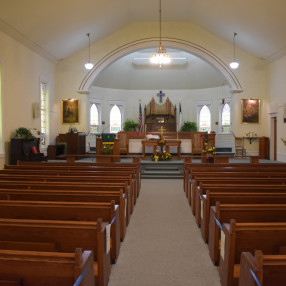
(47, 108)
(199, 106)
(2, 150)
(98, 103)
(220, 109)
(121, 106)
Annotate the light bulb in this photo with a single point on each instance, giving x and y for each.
(88, 66)
(234, 65)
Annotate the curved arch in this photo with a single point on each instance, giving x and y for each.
(170, 42)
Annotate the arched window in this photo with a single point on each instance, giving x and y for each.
(205, 119)
(44, 112)
(225, 118)
(115, 119)
(94, 119)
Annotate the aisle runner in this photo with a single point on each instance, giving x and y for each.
(163, 245)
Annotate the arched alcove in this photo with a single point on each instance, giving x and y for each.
(168, 42)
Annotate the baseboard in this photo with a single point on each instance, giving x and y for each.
(252, 153)
(281, 157)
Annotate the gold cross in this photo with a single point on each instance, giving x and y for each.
(162, 129)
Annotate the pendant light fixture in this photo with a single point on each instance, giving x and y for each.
(234, 65)
(160, 57)
(88, 65)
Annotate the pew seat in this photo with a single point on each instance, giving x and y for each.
(241, 237)
(35, 268)
(268, 270)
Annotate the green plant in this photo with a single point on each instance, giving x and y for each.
(130, 125)
(23, 132)
(189, 126)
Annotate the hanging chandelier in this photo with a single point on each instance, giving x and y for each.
(234, 65)
(88, 65)
(160, 57)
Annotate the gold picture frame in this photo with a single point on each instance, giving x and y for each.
(250, 111)
(71, 111)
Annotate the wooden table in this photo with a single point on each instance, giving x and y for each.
(175, 143)
(151, 142)
(154, 144)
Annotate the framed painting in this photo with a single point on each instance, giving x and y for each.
(70, 111)
(250, 111)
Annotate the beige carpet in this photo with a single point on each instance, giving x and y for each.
(163, 245)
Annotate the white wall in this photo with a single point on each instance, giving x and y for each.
(21, 73)
(252, 73)
(277, 95)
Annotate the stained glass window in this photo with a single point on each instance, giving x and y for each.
(115, 119)
(225, 118)
(94, 119)
(44, 100)
(205, 119)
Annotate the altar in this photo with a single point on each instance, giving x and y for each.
(154, 144)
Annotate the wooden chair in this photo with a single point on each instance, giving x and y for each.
(239, 146)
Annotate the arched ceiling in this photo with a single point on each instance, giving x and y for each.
(135, 72)
(57, 28)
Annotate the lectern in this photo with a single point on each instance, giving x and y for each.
(107, 145)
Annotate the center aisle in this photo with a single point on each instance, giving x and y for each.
(163, 245)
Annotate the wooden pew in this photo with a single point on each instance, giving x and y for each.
(266, 211)
(239, 237)
(68, 235)
(104, 192)
(235, 186)
(75, 211)
(46, 268)
(230, 180)
(120, 181)
(262, 269)
(196, 177)
(205, 168)
(84, 166)
(29, 246)
(112, 175)
(11, 282)
(72, 196)
(236, 171)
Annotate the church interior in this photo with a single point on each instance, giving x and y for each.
(74, 73)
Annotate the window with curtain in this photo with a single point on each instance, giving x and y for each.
(205, 119)
(115, 119)
(225, 118)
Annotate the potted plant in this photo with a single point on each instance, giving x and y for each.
(25, 133)
(130, 125)
(189, 126)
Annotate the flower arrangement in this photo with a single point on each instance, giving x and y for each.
(161, 156)
(209, 150)
(162, 141)
(107, 149)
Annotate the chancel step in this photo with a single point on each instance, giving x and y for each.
(162, 170)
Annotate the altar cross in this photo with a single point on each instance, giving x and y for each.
(162, 129)
(161, 94)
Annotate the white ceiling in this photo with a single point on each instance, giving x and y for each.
(57, 28)
(135, 72)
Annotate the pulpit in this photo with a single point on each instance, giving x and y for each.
(107, 145)
(75, 142)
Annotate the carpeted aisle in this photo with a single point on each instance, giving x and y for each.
(163, 245)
